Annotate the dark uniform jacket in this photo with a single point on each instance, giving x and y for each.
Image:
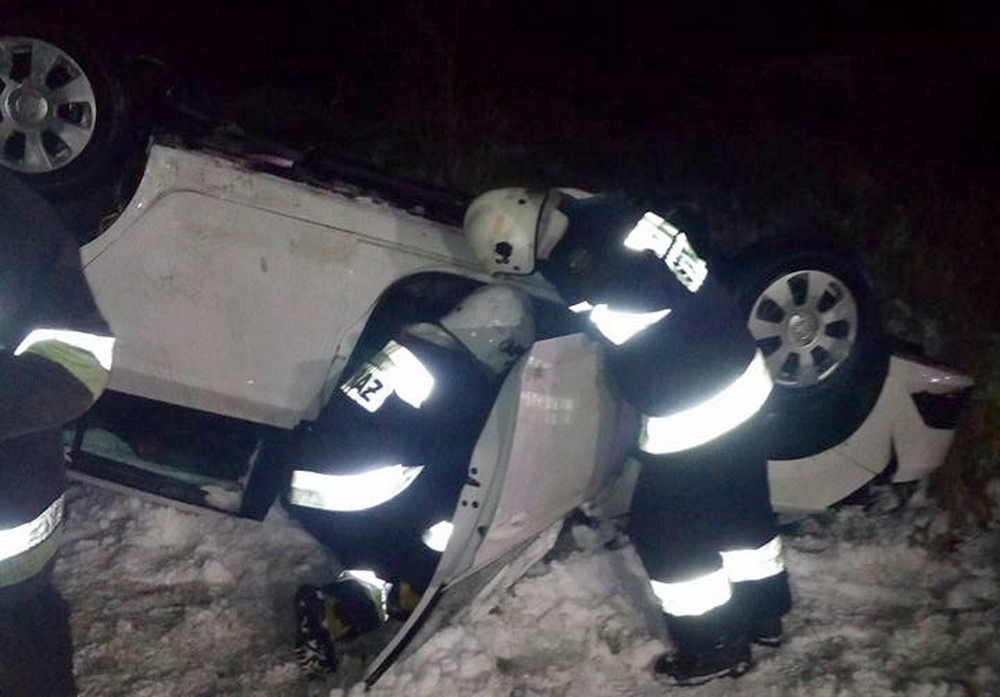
(694, 499)
(46, 379)
(439, 436)
(701, 346)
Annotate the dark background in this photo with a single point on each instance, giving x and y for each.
(880, 125)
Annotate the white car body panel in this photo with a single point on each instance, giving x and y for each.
(894, 425)
(231, 290)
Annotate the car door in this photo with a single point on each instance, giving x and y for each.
(556, 437)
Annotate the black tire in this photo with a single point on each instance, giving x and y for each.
(90, 172)
(797, 295)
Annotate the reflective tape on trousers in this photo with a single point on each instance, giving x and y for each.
(696, 596)
(26, 548)
(754, 564)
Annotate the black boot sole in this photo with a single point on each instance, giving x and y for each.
(733, 671)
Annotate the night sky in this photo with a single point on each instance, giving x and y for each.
(630, 67)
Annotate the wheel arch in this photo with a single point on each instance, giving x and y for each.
(808, 420)
(108, 166)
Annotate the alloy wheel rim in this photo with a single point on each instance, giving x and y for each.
(48, 108)
(806, 325)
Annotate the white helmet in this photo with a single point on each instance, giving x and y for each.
(500, 225)
(510, 228)
(495, 324)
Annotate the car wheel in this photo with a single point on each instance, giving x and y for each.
(65, 126)
(813, 316)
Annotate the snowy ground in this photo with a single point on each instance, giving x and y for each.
(168, 602)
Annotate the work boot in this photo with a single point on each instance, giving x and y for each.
(767, 631)
(314, 645)
(763, 602)
(712, 645)
(336, 612)
(726, 658)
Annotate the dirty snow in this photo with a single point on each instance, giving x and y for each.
(173, 602)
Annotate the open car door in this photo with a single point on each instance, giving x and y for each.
(556, 437)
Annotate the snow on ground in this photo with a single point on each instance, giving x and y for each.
(169, 602)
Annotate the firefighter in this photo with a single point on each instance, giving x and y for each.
(681, 354)
(376, 477)
(55, 355)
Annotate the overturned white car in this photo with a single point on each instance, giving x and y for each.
(238, 296)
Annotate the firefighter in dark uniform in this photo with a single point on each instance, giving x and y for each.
(701, 519)
(377, 476)
(55, 354)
